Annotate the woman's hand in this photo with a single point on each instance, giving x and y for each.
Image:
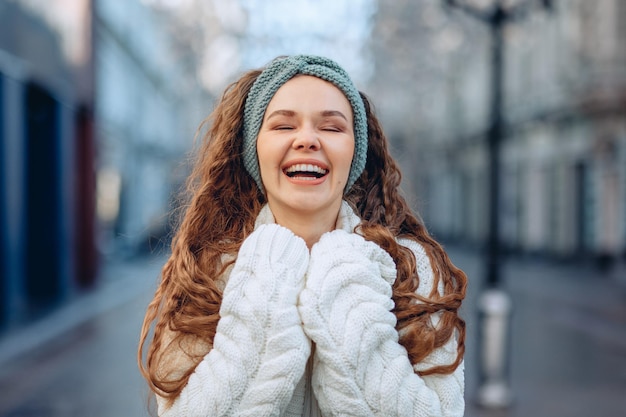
(360, 369)
(260, 350)
(345, 307)
(272, 275)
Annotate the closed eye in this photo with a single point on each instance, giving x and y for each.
(333, 121)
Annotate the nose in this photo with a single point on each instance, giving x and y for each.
(306, 138)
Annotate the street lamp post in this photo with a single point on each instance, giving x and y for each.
(494, 304)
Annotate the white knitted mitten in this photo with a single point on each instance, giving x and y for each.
(360, 369)
(260, 350)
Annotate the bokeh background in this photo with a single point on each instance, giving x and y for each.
(99, 105)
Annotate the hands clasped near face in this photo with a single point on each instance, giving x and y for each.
(338, 296)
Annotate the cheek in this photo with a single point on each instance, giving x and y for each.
(347, 153)
(270, 153)
(264, 152)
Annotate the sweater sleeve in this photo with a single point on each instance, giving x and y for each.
(360, 369)
(260, 350)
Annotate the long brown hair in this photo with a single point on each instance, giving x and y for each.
(219, 214)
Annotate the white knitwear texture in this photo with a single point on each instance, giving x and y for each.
(360, 368)
(260, 350)
(279, 297)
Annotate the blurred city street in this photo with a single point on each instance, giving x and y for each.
(506, 117)
(568, 354)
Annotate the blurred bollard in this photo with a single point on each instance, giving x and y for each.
(495, 313)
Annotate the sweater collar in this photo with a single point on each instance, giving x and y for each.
(347, 220)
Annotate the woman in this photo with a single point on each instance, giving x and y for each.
(300, 282)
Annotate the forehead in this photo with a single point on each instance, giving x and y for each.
(307, 90)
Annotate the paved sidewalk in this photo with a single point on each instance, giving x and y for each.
(568, 342)
(81, 359)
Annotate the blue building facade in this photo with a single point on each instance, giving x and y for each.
(46, 215)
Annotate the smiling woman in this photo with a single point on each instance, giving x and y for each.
(305, 149)
(300, 282)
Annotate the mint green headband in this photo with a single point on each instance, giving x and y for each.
(277, 73)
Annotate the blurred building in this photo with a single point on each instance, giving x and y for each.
(564, 152)
(148, 105)
(98, 104)
(46, 155)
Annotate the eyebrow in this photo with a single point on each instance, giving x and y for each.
(287, 113)
(331, 113)
(325, 113)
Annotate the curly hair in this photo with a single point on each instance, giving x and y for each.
(219, 213)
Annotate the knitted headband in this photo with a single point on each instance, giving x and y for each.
(277, 73)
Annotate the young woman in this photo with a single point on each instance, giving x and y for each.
(300, 282)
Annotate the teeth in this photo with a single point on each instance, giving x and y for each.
(306, 168)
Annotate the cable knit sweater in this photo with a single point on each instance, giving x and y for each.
(278, 298)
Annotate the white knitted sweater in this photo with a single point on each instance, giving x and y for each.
(278, 297)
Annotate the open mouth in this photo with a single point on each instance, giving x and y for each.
(305, 171)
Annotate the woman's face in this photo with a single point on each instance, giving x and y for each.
(305, 147)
